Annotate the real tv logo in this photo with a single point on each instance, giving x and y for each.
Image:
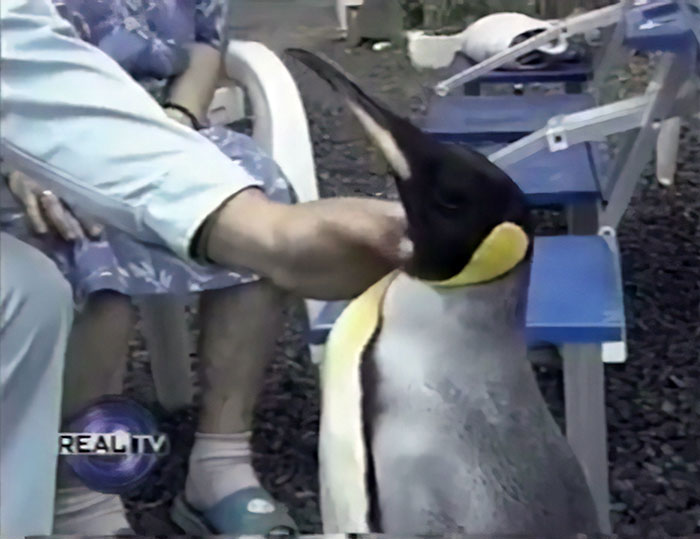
(112, 443)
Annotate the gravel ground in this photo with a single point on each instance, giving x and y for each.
(653, 401)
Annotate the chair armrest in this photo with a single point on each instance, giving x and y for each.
(280, 125)
(227, 105)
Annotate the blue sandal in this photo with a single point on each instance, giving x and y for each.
(250, 511)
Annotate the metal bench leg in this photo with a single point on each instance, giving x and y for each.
(167, 339)
(317, 352)
(586, 428)
(667, 150)
(584, 394)
(313, 310)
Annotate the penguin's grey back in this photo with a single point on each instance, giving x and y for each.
(459, 437)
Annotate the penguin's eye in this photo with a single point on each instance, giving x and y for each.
(449, 200)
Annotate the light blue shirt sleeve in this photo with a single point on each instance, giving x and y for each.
(73, 120)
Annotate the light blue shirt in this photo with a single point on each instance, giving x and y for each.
(74, 120)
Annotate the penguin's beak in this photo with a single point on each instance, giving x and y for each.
(455, 198)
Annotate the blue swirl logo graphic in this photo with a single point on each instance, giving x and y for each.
(113, 444)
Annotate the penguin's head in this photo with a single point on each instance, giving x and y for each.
(467, 219)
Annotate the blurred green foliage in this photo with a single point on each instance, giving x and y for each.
(446, 13)
(443, 14)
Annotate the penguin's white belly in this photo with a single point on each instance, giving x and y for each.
(425, 465)
(462, 439)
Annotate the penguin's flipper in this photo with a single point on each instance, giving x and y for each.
(342, 454)
(379, 122)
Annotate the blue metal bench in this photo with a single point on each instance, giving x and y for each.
(575, 291)
(574, 74)
(655, 26)
(497, 118)
(591, 310)
(467, 118)
(570, 177)
(661, 25)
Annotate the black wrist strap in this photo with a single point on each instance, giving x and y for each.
(200, 241)
(191, 117)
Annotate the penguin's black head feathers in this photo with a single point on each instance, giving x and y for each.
(454, 197)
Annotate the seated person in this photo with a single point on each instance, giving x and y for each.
(174, 50)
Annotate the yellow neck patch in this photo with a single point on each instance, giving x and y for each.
(499, 253)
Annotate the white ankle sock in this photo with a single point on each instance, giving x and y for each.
(220, 464)
(81, 511)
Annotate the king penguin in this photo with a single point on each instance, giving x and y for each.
(431, 418)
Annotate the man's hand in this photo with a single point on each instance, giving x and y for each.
(326, 249)
(337, 248)
(46, 211)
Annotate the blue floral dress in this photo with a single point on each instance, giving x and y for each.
(147, 38)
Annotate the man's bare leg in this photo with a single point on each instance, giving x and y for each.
(97, 350)
(240, 326)
(95, 362)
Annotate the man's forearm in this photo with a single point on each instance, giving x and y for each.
(244, 232)
(326, 249)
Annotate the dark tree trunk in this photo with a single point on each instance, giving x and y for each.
(380, 19)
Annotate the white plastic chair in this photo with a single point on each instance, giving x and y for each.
(280, 128)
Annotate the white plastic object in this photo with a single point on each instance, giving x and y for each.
(227, 106)
(496, 33)
(667, 151)
(570, 26)
(614, 352)
(280, 126)
(432, 52)
(481, 40)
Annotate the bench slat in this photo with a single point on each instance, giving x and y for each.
(457, 118)
(575, 294)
